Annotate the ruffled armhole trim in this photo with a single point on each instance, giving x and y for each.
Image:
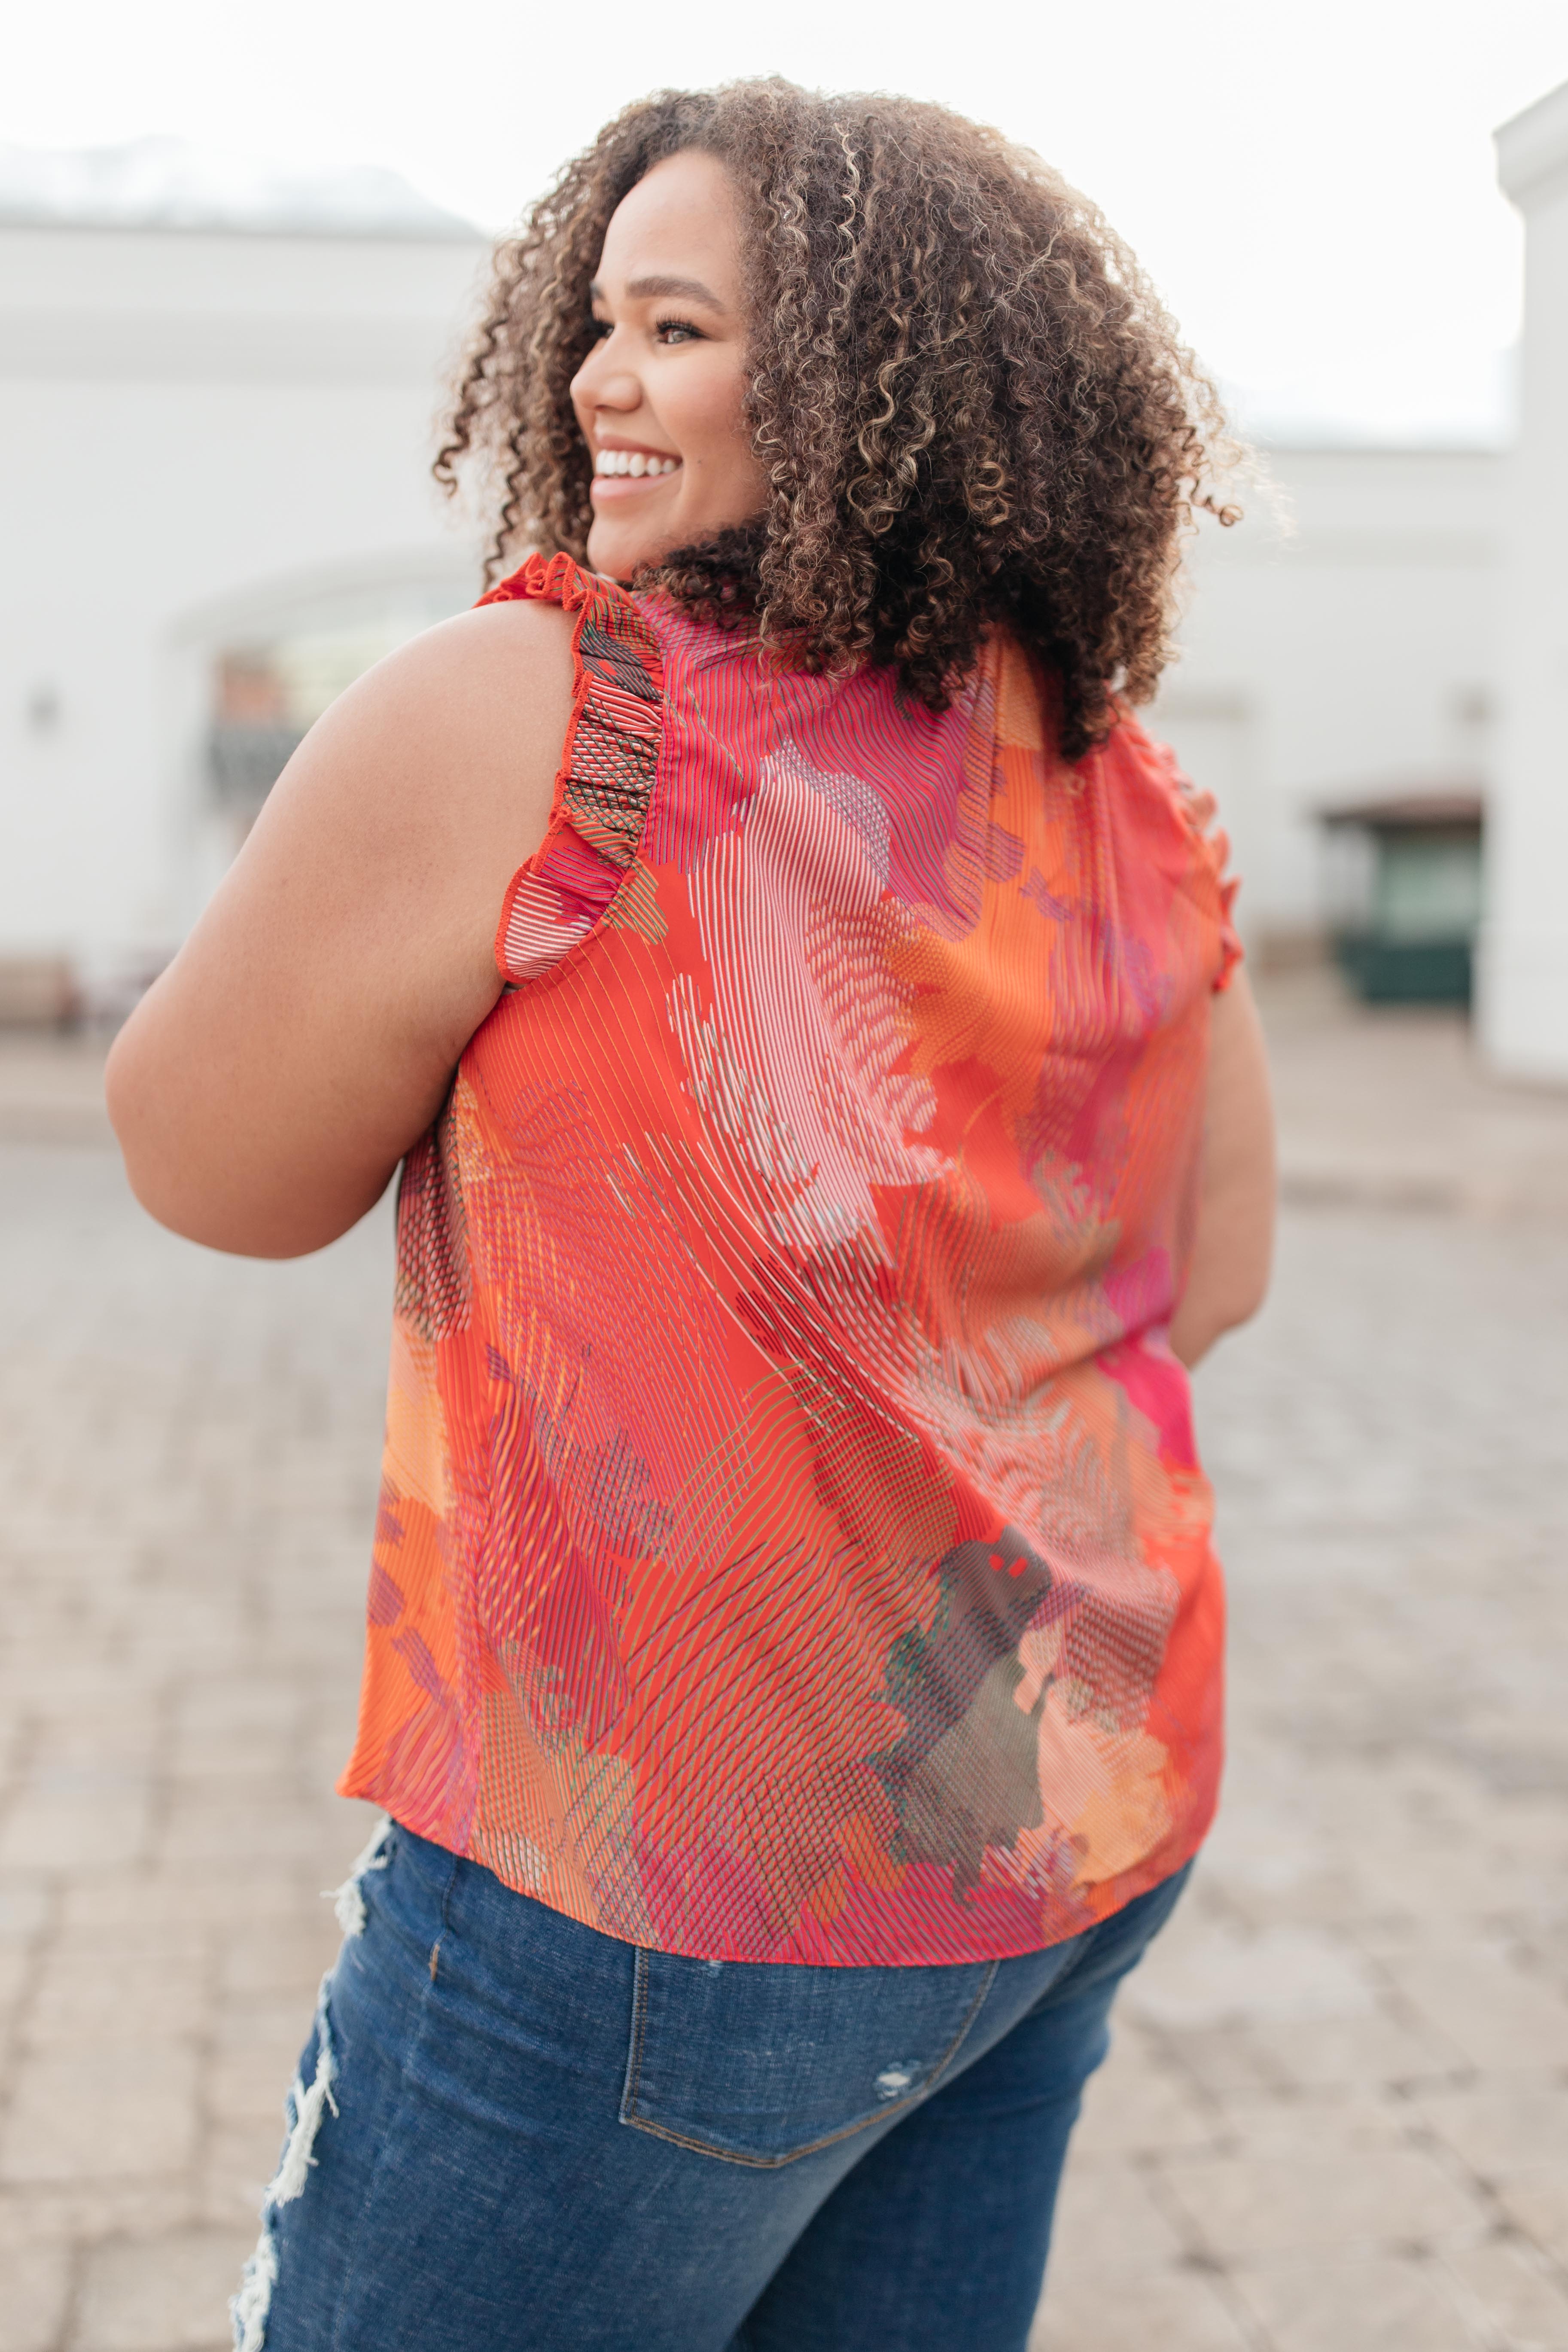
(604, 787)
(1211, 845)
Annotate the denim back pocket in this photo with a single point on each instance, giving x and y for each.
(763, 2062)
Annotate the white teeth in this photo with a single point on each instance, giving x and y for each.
(636, 462)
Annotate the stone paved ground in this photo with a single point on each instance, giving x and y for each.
(1336, 2119)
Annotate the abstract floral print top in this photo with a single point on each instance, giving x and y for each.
(792, 1546)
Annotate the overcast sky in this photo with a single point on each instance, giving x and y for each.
(1311, 186)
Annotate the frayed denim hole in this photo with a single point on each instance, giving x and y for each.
(348, 1900)
(303, 2111)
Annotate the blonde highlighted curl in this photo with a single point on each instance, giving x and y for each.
(968, 404)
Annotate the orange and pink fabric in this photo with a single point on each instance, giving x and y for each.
(791, 1544)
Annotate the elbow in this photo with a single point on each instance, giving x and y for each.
(194, 1185)
(1243, 1298)
(1209, 1310)
(195, 1218)
(143, 1132)
(137, 1128)
(238, 1228)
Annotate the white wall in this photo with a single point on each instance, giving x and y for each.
(1524, 960)
(199, 431)
(1344, 644)
(205, 436)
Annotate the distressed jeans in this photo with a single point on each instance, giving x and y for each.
(509, 2131)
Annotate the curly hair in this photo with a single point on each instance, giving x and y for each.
(967, 402)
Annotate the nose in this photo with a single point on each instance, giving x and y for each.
(604, 381)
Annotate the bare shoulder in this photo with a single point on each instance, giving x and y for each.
(484, 696)
(440, 760)
(510, 650)
(403, 815)
(306, 1032)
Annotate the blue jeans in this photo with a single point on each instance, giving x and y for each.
(513, 2133)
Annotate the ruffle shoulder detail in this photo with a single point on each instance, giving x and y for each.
(604, 787)
(1209, 844)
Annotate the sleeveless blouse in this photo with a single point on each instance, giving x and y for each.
(791, 1545)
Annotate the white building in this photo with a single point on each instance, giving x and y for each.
(217, 407)
(1524, 961)
(215, 422)
(1342, 645)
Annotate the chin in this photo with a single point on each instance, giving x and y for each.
(616, 556)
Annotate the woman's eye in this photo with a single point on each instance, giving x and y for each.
(599, 329)
(676, 331)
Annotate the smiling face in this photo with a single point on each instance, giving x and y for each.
(659, 397)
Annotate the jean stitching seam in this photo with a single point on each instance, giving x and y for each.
(639, 2019)
(959, 2039)
(829, 2139)
(446, 1912)
(770, 2163)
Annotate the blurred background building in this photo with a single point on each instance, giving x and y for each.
(217, 395)
(1524, 991)
(1340, 652)
(1336, 2119)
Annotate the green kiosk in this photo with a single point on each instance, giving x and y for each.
(1404, 894)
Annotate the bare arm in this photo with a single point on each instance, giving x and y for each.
(1228, 1276)
(268, 1085)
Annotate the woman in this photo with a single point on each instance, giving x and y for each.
(801, 998)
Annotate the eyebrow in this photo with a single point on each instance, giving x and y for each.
(654, 290)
